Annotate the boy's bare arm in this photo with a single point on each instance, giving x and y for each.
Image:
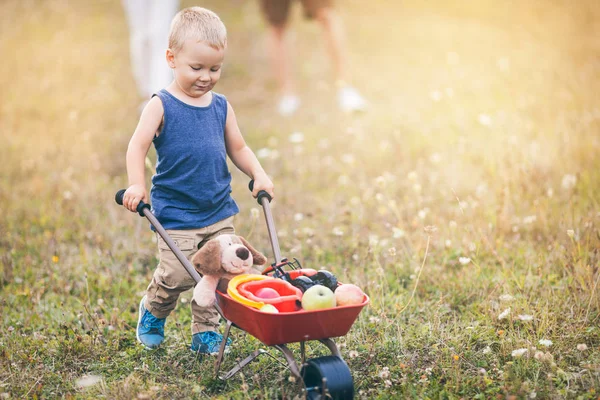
(136, 153)
(243, 157)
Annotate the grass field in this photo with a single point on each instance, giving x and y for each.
(465, 202)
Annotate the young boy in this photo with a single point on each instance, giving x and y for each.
(193, 130)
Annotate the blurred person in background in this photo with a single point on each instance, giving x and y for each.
(276, 13)
(149, 22)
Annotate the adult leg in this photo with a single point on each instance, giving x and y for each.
(334, 35)
(349, 99)
(159, 24)
(136, 12)
(276, 14)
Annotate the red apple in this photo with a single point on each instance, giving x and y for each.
(267, 293)
(348, 294)
(318, 297)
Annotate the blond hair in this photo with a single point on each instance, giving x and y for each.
(200, 24)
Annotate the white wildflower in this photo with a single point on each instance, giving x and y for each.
(539, 355)
(472, 247)
(506, 298)
(348, 159)
(387, 383)
(254, 213)
(353, 354)
(518, 353)
(373, 240)
(545, 342)
(448, 243)
(532, 395)
(486, 350)
(430, 229)
(550, 192)
(392, 251)
(568, 181)
(464, 260)
(298, 217)
(263, 153)
(504, 314)
(570, 233)
(67, 195)
(380, 181)
(484, 119)
(452, 224)
(384, 373)
(397, 233)
(374, 320)
(308, 231)
(525, 317)
(87, 381)
(435, 95)
(337, 231)
(529, 219)
(296, 137)
(582, 347)
(423, 213)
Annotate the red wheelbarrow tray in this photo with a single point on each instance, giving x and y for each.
(288, 327)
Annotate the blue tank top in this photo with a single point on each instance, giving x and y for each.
(192, 185)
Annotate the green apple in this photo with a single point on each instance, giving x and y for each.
(318, 297)
(269, 308)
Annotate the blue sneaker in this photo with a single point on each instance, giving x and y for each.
(150, 330)
(208, 343)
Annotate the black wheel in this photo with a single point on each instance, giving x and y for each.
(327, 378)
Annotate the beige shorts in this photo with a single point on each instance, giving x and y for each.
(277, 11)
(171, 278)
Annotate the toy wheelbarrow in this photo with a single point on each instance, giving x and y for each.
(323, 377)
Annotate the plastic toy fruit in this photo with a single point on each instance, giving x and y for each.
(267, 293)
(286, 298)
(318, 297)
(303, 283)
(348, 294)
(325, 278)
(290, 276)
(269, 308)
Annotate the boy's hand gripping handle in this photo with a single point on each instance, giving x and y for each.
(141, 205)
(264, 199)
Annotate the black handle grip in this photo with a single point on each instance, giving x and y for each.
(260, 194)
(141, 205)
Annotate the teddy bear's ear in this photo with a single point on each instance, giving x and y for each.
(259, 258)
(207, 260)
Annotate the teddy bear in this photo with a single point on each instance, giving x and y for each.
(223, 258)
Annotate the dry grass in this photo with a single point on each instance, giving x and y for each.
(484, 122)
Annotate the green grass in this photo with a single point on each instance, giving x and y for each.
(484, 123)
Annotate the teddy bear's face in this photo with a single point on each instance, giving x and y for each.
(235, 257)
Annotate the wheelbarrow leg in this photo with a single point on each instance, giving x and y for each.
(221, 355)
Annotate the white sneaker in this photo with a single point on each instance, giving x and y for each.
(288, 105)
(350, 100)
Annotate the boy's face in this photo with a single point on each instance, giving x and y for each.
(196, 66)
